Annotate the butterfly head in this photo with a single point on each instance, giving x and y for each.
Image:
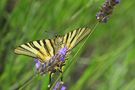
(58, 39)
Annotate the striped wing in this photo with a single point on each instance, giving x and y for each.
(72, 38)
(47, 48)
(42, 49)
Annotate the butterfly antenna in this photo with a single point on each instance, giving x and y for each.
(52, 33)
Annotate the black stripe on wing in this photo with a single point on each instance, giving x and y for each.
(25, 49)
(52, 45)
(72, 38)
(37, 48)
(45, 47)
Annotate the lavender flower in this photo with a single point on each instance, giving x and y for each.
(40, 67)
(43, 68)
(62, 52)
(59, 86)
(50, 66)
(38, 64)
(106, 10)
(117, 1)
(63, 88)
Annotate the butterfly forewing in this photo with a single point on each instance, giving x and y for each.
(72, 38)
(42, 49)
(22, 50)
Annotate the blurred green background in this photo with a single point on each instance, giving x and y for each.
(106, 61)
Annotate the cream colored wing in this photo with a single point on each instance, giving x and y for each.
(72, 38)
(42, 49)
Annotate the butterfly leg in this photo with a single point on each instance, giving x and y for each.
(66, 58)
(61, 78)
(61, 71)
(50, 77)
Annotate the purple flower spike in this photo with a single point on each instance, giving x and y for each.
(38, 64)
(106, 10)
(59, 86)
(56, 86)
(62, 59)
(117, 1)
(63, 88)
(63, 51)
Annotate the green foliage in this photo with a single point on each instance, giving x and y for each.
(106, 61)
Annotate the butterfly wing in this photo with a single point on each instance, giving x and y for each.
(72, 38)
(47, 48)
(42, 49)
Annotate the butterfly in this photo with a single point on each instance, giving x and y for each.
(51, 53)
